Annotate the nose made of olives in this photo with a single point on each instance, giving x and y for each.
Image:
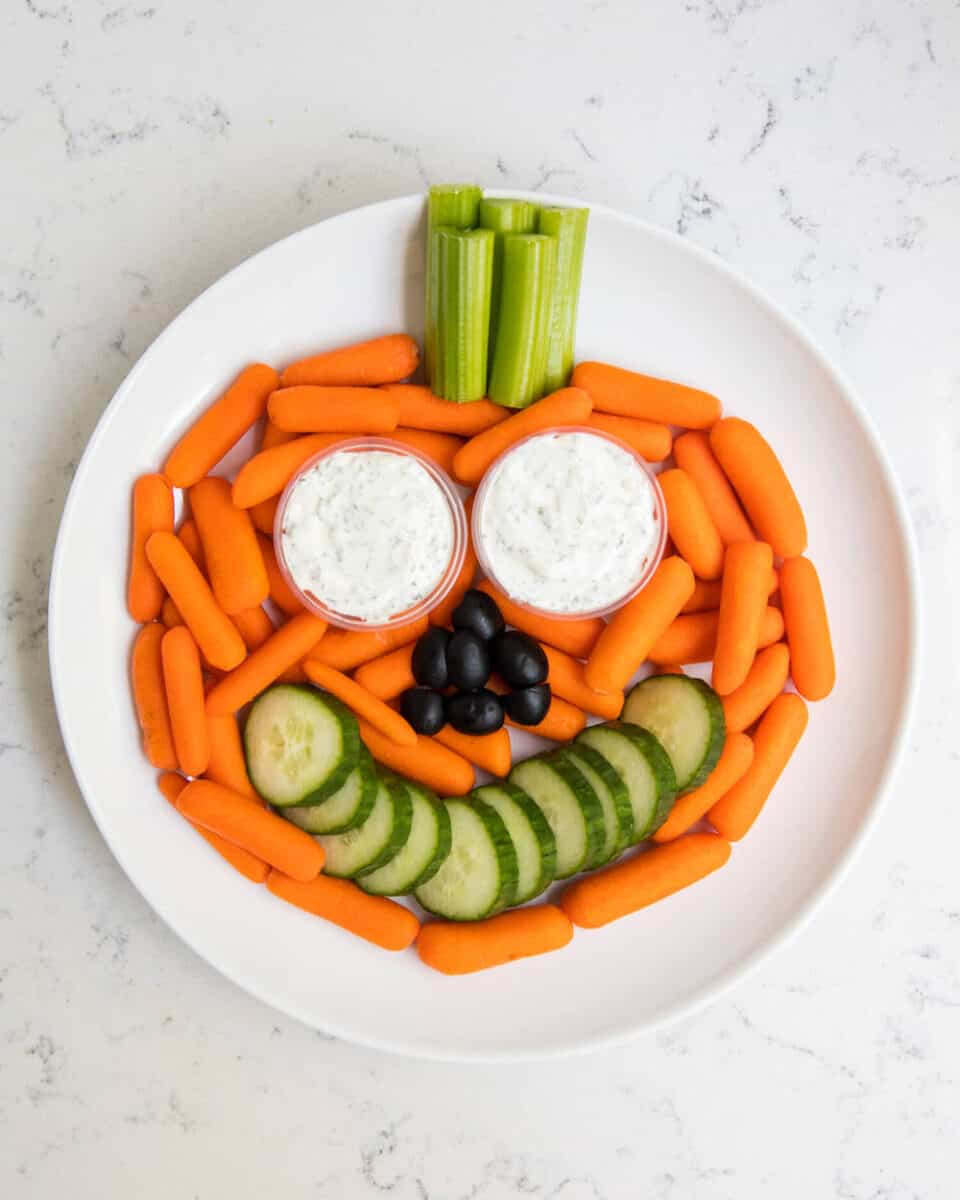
(468, 661)
(479, 614)
(476, 712)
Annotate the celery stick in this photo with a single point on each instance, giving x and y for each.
(464, 266)
(519, 357)
(504, 216)
(569, 227)
(449, 204)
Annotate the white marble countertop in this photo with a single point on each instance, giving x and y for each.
(146, 147)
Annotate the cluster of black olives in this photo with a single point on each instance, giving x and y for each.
(464, 660)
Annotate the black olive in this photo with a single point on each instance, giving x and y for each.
(528, 706)
(429, 661)
(468, 661)
(475, 712)
(424, 709)
(519, 659)
(478, 613)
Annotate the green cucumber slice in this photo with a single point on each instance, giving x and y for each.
(347, 808)
(612, 794)
(530, 833)
(421, 857)
(644, 767)
(479, 875)
(570, 805)
(686, 716)
(379, 839)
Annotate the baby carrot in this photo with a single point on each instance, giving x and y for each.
(363, 703)
(808, 631)
(561, 724)
(255, 869)
(774, 741)
(567, 679)
(489, 751)
(633, 883)
(190, 536)
(249, 825)
(693, 454)
(693, 638)
(762, 485)
(333, 410)
(650, 439)
(291, 642)
(348, 648)
(218, 639)
(268, 473)
(222, 425)
(743, 601)
(254, 626)
(706, 594)
(183, 684)
(150, 698)
(264, 515)
(576, 636)
(390, 674)
(281, 593)
(458, 948)
(152, 512)
(442, 614)
(381, 360)
(691, 806)
(764, 683)
(627, 640)
(170, 614)
(694, 533)
(375, 918)
(630, 394)
(235, 565)
(428, 762)
(441, 447)
(569, 406)
(273, 435)
(419, 408)
(227, 764)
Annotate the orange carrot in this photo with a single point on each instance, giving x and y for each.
(228, 764)
(743, 601)
(235, 565)
(273, 435)
(384, 922)
(170, 614)
(150, 698)
(183, 684)
(348, 648)
(691, 806)
(351, 410)
(442, 614)
(152, 512)
(774, 741)
(442, 448)
(691, 528)
(693, 638)
(281, 593)
(428, 762)
(762, 485)
(458, 948)
(419, 408)
(706, 595)
(254, 626)
(627, 640)
(390, 674)
(561, 724)
(222, 425)
(255, 869)
(264, 515)
(490, 751)
(268, 473)
(569, 406)
(291, 642)
(764, 683)
(294, 674)
(576, 636)
(190, 536)
(650, 439)
(218, 639)
(567, 679)
(808, 631)
(633, 883)
(693, 454)
(381, 360)
(248, 824)
(362, 702)
(630, 394)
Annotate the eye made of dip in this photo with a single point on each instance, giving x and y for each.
(569, 523)
(367, 533)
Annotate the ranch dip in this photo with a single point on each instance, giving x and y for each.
(568, 522)
(368, 533)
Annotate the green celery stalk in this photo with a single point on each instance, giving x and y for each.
(464, 268)
(504, 216)
(519, 357)
(569, 227)
(448, 204)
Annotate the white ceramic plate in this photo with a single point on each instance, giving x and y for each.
(650, 301)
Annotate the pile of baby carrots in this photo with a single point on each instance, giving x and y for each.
(218, 625)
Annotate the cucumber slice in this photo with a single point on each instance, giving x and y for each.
(346, 808)
(686, 717)
(479, 875)
(612, 794)
(300, 745)
(379, 839)
(426, 847)
(643, 765)
(530, 833)
(570, 805)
